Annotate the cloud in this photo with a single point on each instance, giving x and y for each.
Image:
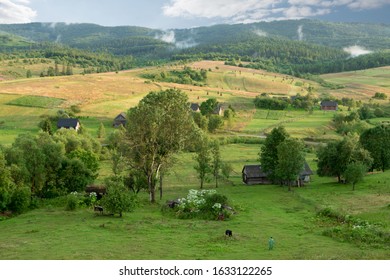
(300, 33)
(356, 50)
(169, 36)
(246, 11)
(260, 33)
(16, 11)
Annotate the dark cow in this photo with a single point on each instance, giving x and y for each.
(229, 233)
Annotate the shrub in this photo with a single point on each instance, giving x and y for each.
(20, 199)
(72, 202)
(204, 204)
(118, 198)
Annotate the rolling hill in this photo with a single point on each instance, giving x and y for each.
(282, 46)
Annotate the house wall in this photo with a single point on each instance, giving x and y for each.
(329, 108)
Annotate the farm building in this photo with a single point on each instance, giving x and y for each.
(218, 111)
(329, 106)
(254, 175)
(68, 124)
(120, 120)
(195, 107)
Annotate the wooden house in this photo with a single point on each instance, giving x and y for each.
(68, 124)
(218, 110)
(120, 120)
(254, 175)
(329, 106)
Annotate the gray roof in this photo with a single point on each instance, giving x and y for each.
(329, 103)
(121, 116)
(194, 107)
(67, 123)
(306, 170)
(255, 171)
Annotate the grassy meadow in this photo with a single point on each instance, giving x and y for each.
(362, 84)
(292, 218)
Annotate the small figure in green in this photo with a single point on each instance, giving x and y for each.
(271, 243)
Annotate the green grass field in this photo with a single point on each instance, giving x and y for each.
(36, 101)
(261, 211)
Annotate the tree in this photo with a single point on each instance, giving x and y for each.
(45, 125)
(28, 74)
(6, 184)
(334, 158)
(208, 107)
(101, 131)
(377, 141)
(118, 198)
(157, 128)
(29, 157)
(328, 160)
(203, 160)
(269, 151)
(354, 173)
(201, 121)
(215, 122)
(216, 163)
(291, 160)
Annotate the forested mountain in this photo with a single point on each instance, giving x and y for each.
(285, 46)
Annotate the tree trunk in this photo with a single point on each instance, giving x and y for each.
(152, 190)
(161, 186)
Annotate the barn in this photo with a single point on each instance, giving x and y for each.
(329, 106)
(254, 175)
(120, 120)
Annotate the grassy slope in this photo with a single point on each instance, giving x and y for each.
(362, 84)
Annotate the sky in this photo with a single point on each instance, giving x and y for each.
(170, 14)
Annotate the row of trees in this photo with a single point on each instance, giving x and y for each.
(47, 165)
(352, 156)
(282, 157)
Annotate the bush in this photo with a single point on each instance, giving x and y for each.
(118, 198)
(20, 199)
(204, 204)
(72, 202)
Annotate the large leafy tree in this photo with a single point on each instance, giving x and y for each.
(269, 151)
(208, 107)
(157, 128)
(291, 160)
(377, 141)
(334, 158)
(28, 156)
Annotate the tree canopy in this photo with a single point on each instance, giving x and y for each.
(157, 128)
(269, 151)
(377, 141)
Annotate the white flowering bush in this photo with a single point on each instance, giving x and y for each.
(206, 204)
